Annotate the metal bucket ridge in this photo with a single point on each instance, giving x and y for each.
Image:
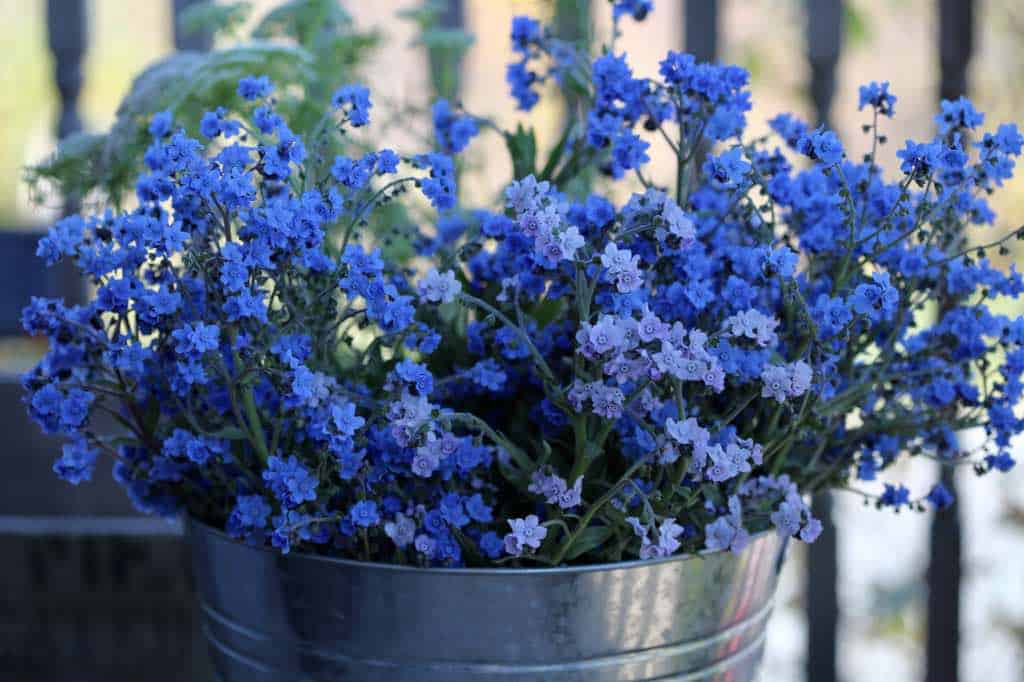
(302, 617)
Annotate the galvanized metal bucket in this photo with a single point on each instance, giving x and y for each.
(302, 617)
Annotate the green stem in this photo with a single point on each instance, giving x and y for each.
(593, 509)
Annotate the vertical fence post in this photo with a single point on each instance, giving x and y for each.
(700, 38)
(824, 44)
(956, 42)
(701, 24)
(66, 34)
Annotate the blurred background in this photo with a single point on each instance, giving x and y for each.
(92, 591)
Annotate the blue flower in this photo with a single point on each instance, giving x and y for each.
(453, 131)
(479, 510)
(824, 146)
(160, 125)
(194, 341)
(638, 9)
(199, 449)
(894, 496)
(76, 462)
(526, 31)
(958, 115)
(491, 545)
(249, 518)
(1002, 461)
(940, 497)
(522, 81)
(254, 87)
(877, 96)
(364, 514)
(628, 152)
(357, 99)
(728, 170)
(290, 481)
(439, 187)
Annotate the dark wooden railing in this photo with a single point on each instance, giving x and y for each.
(95, 592)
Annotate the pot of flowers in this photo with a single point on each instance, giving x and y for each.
(569, 440)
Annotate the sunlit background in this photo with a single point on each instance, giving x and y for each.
(882, 559)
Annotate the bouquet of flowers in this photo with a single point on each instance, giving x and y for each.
(554, 378)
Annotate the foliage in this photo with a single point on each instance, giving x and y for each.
(308, 48)
(564, 380)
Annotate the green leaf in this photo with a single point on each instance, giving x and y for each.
(522, 147)
(230, 433)
(303, 20)
(214, 17)
(453, 40)
(588, 540)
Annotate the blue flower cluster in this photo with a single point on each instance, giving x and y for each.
(557, 378)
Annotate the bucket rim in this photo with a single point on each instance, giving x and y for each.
(193, 525)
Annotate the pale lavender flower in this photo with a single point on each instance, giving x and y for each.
(651, 328)
(800, 377)
(670, 359)
(727, 532)
(407, 415)
(572, 497)
(578, 394)
(639, 529)
(668, 536)
(438, 287)
(650, 550)
(523, 195)
(714, 377)
(678, 223)
(425, 545)
(668, 453)
(788, 517)
(623, 268)
(597, 339)
(687, 432)
(606, 401)
(776, 382)
(811, 530)
(402, 530)
(513, 545)
(547, 484)
(752, 324)
(526, 532)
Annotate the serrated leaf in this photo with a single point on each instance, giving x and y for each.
(303, 20)
(214, 17)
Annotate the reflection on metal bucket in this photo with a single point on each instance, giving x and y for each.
(302, 617)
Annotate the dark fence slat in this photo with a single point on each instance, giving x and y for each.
(701, 29)
(824, 46)
(67, 35)
(942, 648)
(821, 595)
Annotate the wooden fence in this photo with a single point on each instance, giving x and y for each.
(92, 591)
